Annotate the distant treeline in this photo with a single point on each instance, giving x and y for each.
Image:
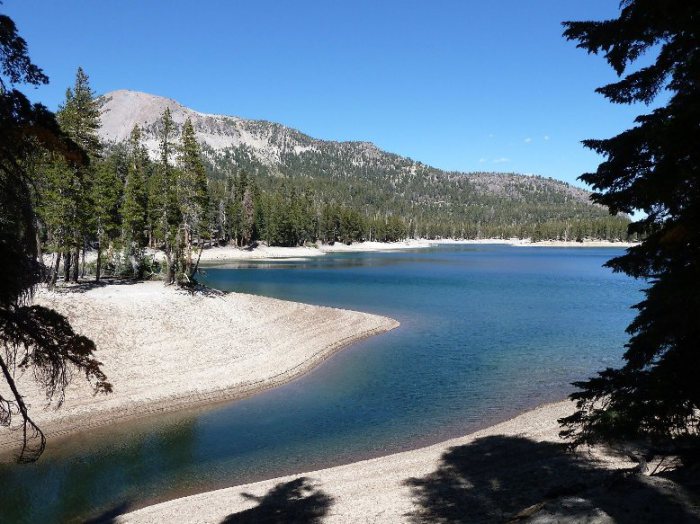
(122, 202)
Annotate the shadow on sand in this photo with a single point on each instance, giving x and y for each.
(514, 479)
(298, 501)
(88, 284)
(110, 516)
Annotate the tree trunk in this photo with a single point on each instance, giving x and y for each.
(75, 264)
(66, 266)
(98, 264)
(54, 272)
(172, 270)
(82, 262)
(40, 256)
(170, 258)
(188, 253)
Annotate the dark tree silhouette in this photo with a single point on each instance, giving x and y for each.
(654, 167)
(32, 338)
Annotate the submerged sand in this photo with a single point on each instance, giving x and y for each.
(164, 349)
(516, 471)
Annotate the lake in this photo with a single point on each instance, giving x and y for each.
(486, 331)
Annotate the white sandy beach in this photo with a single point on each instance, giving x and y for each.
(261, 251)
(513, 471)
(265, 252)
(164, 349)
(572, 243)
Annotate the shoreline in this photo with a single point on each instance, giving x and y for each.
(515, 470)
(262, 252)
(269, 342)
(485, 424)
(374, 489)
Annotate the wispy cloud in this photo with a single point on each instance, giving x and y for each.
(528, 140)
(482, 160)
(501, 160)
(546, 137)
(491, 135)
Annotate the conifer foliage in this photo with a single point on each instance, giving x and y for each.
(654, 167)
(32, 338)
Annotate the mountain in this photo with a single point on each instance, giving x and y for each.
(356, 174)
(266, 141)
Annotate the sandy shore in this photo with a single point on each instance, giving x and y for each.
(164, 349)
(513, 471)
(571, 243)
(526, 242)
(264, 252)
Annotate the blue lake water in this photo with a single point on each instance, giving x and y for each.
(486, 332)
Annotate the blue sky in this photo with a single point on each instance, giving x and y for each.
(461, 85)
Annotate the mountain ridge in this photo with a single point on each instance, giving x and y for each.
(269, 143)
(146, 110)
(285, 164)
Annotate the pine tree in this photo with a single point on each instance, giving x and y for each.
(79, 118)
(33, 339)
(655, 167)
(57, 207)
(247, 216)
(164, 196)
(193, 196)
(106, 198)
(135, 207)
(134, 210)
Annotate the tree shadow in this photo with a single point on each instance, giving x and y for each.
(197, 289)
(83, 286)
(110, 515)
(298, 501)
(514, 479)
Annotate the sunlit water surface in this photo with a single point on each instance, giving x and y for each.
(485, 332)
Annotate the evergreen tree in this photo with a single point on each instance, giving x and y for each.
(655, 167)
(163, 194)
(247, 216)
(134, 209)
(193, 197)
(33, 339)
(106, 199)
(79, 118)
(57, 208)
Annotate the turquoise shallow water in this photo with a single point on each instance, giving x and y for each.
(485, 332)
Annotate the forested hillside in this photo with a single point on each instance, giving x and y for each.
(164, 177)
(358, 179)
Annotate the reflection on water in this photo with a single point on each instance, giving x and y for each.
(60, 487)
(485, 331)
(335, 261)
